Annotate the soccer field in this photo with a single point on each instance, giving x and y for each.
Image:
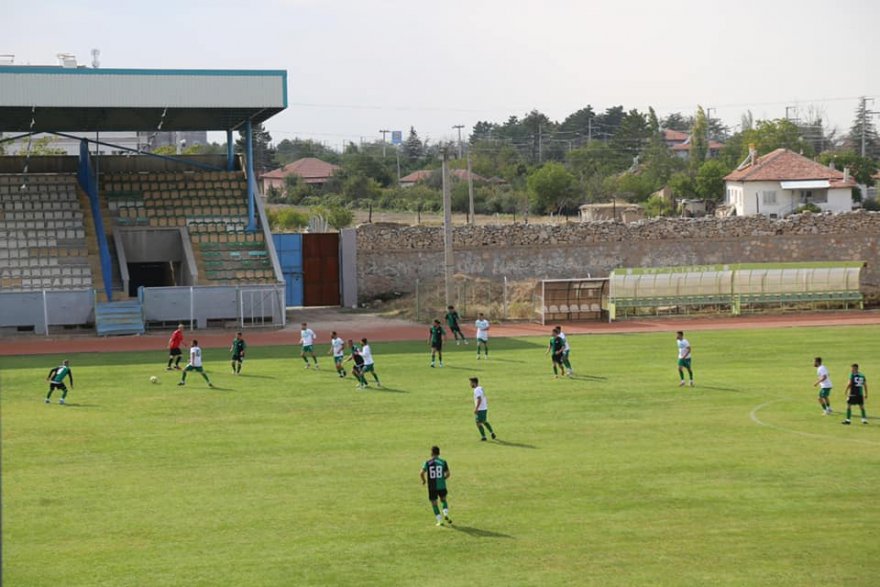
(287, 476)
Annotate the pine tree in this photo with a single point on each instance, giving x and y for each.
(264, 154)
(413, 148)
(863, 133)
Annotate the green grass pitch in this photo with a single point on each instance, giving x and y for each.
(284, 476)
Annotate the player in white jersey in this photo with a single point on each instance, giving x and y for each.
(684, 358)
(307, 339)
(566, 351)
(195, 364)
(367, 354)
(481, 407)
(823, 382)
(482, 326)
(337, 349)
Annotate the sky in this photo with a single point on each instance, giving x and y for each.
(358, 66)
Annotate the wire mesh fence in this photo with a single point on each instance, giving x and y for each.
(496, 298)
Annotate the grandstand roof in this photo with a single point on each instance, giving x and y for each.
(63, 99)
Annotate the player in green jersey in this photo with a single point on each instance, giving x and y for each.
(357, 369)
(56, 381)
(435, 472)
(435, 341)
(237, 350)
(556, 350)
(856, 394)
(452, 319)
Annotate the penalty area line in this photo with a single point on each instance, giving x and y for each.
(754, 416)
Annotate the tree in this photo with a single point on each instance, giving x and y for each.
(290, 150)
(657, 205)
(552, 188)
(709, 182)
(863, 138)
(769, 135)
(42, 147)
(678, 121)
(861, 168)
(699, 140)
(683, 186)
(630, 136)
(264, 154)
(413, 148)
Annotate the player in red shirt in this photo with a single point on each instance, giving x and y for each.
(174, 344)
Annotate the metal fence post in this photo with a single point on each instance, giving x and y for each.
(192, 307)
(418, 302)
(505, 297)
(45, 314)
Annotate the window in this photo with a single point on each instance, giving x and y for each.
(768, 197)
(819, 197)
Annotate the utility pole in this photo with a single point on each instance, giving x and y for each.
(384, 132)
(866, 114)
(448, 260)
(589, 130)
(540, 146)
(470, 189)
(458, 127)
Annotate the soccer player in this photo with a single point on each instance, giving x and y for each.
(367, 354)
(337, 349)
(435, 341)
(824, 384)
(195, 364)
(565, 353)
(435, 472)
(452, 319)
(482, 326)
(174, 344)
(307, 340)
(237, 350)
(556, 348)
(684, 358)
(481, 407)
(856, 394)
(56, 380)
(357, 370)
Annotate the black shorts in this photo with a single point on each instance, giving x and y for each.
(238, 358)
(437, 346)
(455, 328)
(53, 386)
(433, 494)
(558, 359)
(174, 352)
(855, 400)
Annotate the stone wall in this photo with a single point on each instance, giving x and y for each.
(391, 257)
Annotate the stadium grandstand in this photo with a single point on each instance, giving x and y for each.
(121, 241)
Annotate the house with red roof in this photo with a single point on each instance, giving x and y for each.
(311, 170)
(680, 143)
(781, 181)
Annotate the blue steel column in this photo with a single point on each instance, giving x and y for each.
(251, 181)
(230, 153)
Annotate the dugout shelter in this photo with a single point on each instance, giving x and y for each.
(133, 238)
(736, 288)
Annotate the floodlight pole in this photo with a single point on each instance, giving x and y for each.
(449, 261)
(251, 181)
(230, 153)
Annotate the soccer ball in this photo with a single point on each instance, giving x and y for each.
(154, 379)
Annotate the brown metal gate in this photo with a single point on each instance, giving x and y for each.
(321, 269)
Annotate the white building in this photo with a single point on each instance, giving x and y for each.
(780, 182)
